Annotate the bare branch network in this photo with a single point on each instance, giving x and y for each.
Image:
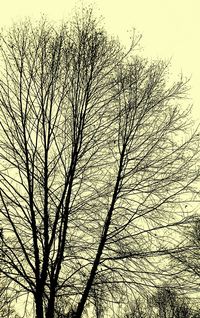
(97, 164)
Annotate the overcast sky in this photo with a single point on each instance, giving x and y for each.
(170, 28)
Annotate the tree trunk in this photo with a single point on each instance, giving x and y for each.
(39, 306)
(85, 294)
(51, 305)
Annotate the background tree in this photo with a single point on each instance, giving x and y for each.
(140, 308)
(7, 300)
(169, 305)
(186, 260)
(164, 303)
(97, 157)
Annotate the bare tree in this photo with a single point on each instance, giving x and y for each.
(173, 304)
(164, 303)
(7, 300)
(139, 308)
(97, 156)
(186, 259)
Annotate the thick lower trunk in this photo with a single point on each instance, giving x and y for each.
(39, 306)
(51, 307)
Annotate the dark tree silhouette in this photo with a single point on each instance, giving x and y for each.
(97, 156)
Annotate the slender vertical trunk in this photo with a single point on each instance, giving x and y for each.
(51, 303)
(91, 278)
(39, 305)
(81, 304)
(51, 309)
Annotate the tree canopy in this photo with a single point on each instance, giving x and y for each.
(98, 160)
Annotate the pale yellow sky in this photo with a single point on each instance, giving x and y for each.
(170, 28)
